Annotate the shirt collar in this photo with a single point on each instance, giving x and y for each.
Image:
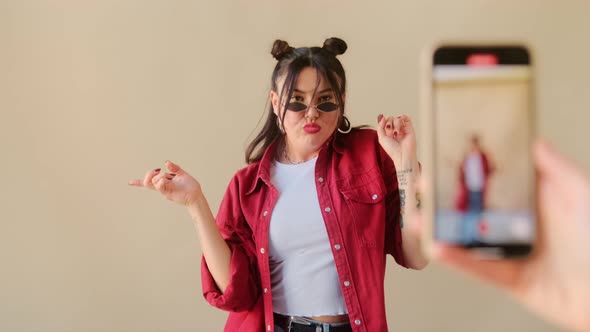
(264, 165)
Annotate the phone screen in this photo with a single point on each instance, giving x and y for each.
(483, 169)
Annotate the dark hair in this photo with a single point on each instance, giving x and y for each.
(291, 61)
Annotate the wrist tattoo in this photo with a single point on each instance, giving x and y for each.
(402, 176)
(402, 180)
(405, 171)
(402, 198)
(402, 204)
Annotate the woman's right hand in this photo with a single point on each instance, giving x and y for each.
(180, 187)
(176, 185)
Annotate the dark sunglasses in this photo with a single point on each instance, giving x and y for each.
(324, 107)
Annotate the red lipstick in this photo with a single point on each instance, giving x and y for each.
(311, 128)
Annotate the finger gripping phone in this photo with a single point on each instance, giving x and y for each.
(480, 127)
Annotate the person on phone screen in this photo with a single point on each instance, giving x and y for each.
(474, 174)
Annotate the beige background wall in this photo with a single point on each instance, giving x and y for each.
(94, 93)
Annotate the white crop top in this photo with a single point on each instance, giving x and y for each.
(303, 273)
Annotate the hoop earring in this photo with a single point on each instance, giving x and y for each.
(280, 125)
(348, 126)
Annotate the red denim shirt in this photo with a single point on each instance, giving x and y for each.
(358, 194)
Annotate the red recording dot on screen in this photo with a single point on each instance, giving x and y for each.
(483, 227)
(482, 59)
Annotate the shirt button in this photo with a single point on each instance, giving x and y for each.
(375, 196)
(347, 283)
(327, 209)
(265, 213)
(268, 327)
(320, 179)
(262, 250)
(357, 322)
(265, 290)
(337, 247)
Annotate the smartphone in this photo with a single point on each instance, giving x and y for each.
(478, 128)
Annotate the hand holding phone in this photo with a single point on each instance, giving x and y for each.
(478, 131)
(553, 280)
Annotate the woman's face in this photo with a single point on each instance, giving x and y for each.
(308, 129)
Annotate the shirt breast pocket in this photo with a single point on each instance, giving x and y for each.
(363, 194)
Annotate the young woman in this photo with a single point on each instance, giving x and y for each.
(301, 236)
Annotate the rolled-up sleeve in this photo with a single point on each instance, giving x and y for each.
(243, 289)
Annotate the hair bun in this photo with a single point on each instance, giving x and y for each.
(335, 46)
(280, 48)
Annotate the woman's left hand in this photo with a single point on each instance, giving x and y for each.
(398, 139)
